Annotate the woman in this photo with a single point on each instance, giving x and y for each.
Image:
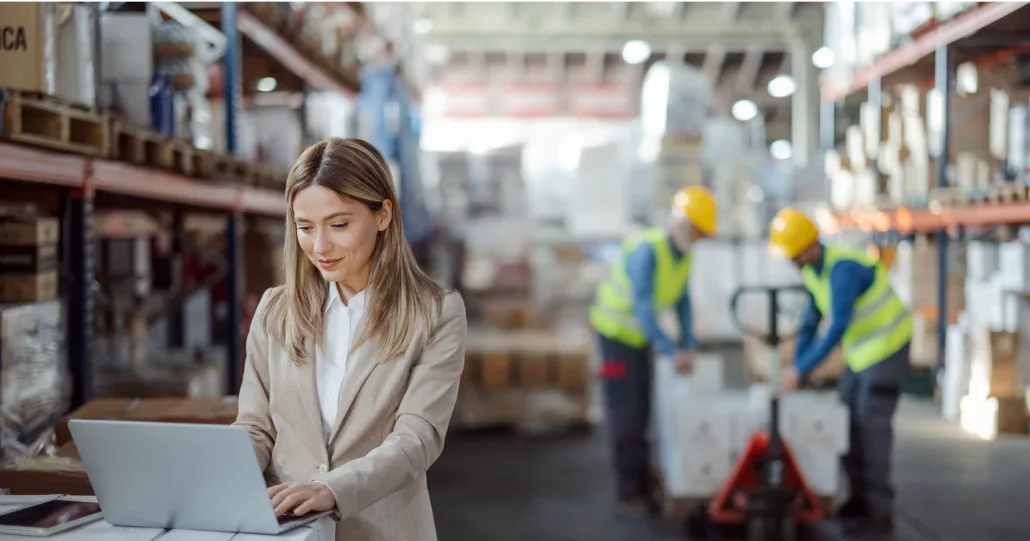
(353, 365)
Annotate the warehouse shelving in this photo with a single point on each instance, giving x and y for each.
(985, 34)
(80, 179)
(935, 218)
(288, 56)
(945, 34)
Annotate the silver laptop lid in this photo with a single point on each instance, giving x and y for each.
(169, 475)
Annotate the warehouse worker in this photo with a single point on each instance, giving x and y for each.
(649, 276)
(873, 328)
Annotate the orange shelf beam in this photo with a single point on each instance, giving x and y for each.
(927, 220)
(946, 33)
(288, 56)
(32, 165)
(59, 169)
(123, 178)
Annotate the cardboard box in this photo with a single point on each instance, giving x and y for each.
(29, 230)
(28, 35)
(21, 288)
(987, 417)
(217, 410)
(994, 370)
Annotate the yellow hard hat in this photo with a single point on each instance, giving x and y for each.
(696, 204)
(791, 232)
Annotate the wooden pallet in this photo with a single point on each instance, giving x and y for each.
(530, 370)
(993, 195)
(233, 169)
(46, 121)
(141, 146)
(266, 176)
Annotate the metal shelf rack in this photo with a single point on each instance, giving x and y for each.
(986, 33)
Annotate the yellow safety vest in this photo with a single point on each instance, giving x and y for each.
(880, 322)
(612, 313)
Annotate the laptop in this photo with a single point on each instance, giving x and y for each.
(170, 475)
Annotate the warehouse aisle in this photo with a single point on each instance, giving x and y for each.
(951, 487)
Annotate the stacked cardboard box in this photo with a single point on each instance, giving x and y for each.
(988, 356)
(29, 256)
(525, 379)
(702, 430)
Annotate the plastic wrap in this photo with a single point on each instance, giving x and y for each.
(34, 379)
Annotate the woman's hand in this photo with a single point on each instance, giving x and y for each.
(301, 498)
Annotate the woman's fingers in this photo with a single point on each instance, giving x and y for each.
(272, 491)
(291, 501)
(283, 494)
(305, 507)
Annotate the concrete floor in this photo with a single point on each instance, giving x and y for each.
(501, 487)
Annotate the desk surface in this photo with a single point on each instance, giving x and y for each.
(321, 530)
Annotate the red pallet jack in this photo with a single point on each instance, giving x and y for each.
(766, 497)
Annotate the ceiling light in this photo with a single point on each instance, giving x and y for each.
(267, 84)
(423, 26)
(636, 51)
(782, 86)
(823, 58)
(781, 150)
(744, 110)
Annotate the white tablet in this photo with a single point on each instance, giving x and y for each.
(50, 517)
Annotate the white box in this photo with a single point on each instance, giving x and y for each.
(818, 425)
(126, 50)
(1014, 263)
(981, 260)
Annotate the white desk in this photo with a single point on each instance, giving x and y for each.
(322, 530)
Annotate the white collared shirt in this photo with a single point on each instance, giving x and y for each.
(339, 324)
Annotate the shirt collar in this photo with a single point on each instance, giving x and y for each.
(357, 301)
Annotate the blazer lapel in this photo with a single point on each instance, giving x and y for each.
(361, 363)
(308, 391)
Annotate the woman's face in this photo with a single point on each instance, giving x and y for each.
(337, 233)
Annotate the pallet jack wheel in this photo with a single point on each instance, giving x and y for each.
(698, 525)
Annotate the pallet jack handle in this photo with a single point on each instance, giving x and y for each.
(771, 337)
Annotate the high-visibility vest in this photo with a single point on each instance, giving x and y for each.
(612, 312)
(880, 322)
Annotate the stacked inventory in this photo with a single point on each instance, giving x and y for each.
(702, 429)
(987, 352)
(889, 157)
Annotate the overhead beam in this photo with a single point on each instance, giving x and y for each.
(653, 29)
(620, 11)
(712, 65)
(730, 11)
(608, 44)
(784, 11)
(749, 69)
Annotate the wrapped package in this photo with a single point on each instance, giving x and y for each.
(34, 377)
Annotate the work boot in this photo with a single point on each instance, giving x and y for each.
(852, 509)
(869, 528)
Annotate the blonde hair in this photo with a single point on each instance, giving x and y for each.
(400, 296)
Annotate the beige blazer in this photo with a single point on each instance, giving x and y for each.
(390, 428)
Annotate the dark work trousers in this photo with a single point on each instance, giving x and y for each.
(626, 380)
(871, 397)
